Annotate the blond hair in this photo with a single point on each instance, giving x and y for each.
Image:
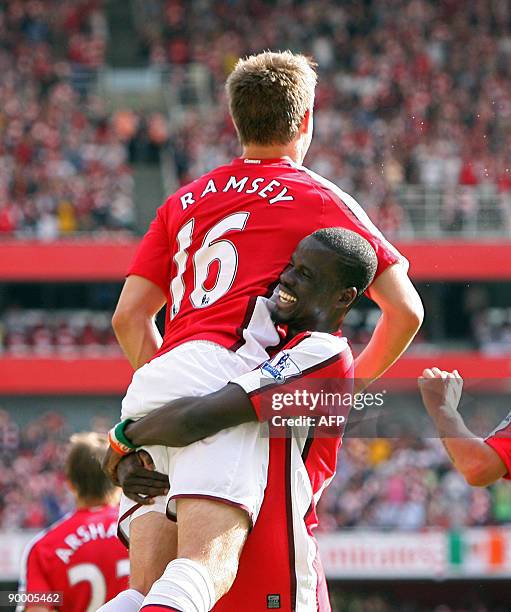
(269, 94)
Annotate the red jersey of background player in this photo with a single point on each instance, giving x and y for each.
(280, 566)
(222, 240)
(81, 556)
(500, 441)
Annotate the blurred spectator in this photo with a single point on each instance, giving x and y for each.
(32, 491)
(490, 326)
(145, 136)
(389, 217)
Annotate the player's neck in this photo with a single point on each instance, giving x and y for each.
(291, 150)
(92, 503)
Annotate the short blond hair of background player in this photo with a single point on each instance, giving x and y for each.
(268, 96)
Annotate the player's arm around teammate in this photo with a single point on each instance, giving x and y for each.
(328, 270)
(308, 280)
(480, 461)
(182, 422)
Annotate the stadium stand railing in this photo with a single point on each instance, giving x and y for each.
(453, 212)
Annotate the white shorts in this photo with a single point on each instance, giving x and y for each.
(230, 466)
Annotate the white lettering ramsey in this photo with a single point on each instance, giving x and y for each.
(260, 186)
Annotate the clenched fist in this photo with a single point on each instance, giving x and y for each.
(440, 390)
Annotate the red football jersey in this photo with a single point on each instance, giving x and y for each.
(500, 441)
(280, 565)
(222, 240)
(79, 555)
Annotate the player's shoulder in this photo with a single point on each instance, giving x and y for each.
(102, 510)
(333, 341)
(68, 524)
(337, 196)
(322, 184)
(47, 538)
(321, 343)
(312, 354)
(105, 514)
(59, 529)
(343, 209)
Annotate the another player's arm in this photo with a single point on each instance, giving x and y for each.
(478, 462)
(401, 318)
(182, 422)
(189, 419)
(134, 319)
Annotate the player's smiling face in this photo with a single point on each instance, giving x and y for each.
(310, 295)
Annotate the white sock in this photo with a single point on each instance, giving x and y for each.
(184, 585)
(125, 601)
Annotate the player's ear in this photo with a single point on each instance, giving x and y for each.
(304, 125)
(347, 297)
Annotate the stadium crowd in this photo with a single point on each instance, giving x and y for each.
(409, 93)
(62, 164)
(32, 481)
(406, 484)
(43, 333)
(403, 98)
(380, 483)
(26, 331)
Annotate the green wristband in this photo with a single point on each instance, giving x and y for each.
(121, 436)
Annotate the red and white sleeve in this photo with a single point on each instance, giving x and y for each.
(309, 360)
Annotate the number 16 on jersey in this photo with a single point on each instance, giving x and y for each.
(213, 249)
